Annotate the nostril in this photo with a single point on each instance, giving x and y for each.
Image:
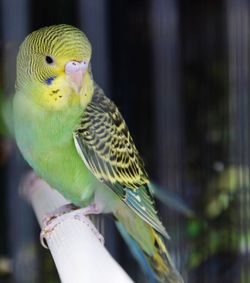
(84, 64)
(74, 66)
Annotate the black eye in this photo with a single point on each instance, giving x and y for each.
(49, 60)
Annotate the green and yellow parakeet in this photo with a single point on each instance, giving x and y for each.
(75, 138)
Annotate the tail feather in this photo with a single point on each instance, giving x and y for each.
(137, 253)
(157, 266)
(161, 262)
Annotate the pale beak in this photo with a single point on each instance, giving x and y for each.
(75, 72)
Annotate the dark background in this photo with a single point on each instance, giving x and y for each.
(179, 73)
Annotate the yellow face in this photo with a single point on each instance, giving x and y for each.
(52, 67)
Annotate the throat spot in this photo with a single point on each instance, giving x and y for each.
(56, 94)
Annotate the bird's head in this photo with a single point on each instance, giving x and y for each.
(53, 66)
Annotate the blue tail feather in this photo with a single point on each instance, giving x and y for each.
(137, 253)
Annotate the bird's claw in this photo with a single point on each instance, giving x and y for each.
(43, 236)
(51, 220)
(87, 221)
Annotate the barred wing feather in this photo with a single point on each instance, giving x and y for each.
(104, 143)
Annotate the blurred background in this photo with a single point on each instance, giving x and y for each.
(179, 73)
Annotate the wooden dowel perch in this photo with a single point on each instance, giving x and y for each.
(78, 254)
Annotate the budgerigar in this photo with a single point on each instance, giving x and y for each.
(75, 138)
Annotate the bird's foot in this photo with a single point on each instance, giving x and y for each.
(57, 213)
(64, 213)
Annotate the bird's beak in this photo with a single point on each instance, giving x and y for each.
(75, 71)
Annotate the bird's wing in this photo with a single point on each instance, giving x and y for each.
(104, 143)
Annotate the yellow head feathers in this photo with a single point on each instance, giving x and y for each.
(42, 60)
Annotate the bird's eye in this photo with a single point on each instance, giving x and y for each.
(49, 60)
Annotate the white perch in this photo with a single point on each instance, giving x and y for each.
(78, 254)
